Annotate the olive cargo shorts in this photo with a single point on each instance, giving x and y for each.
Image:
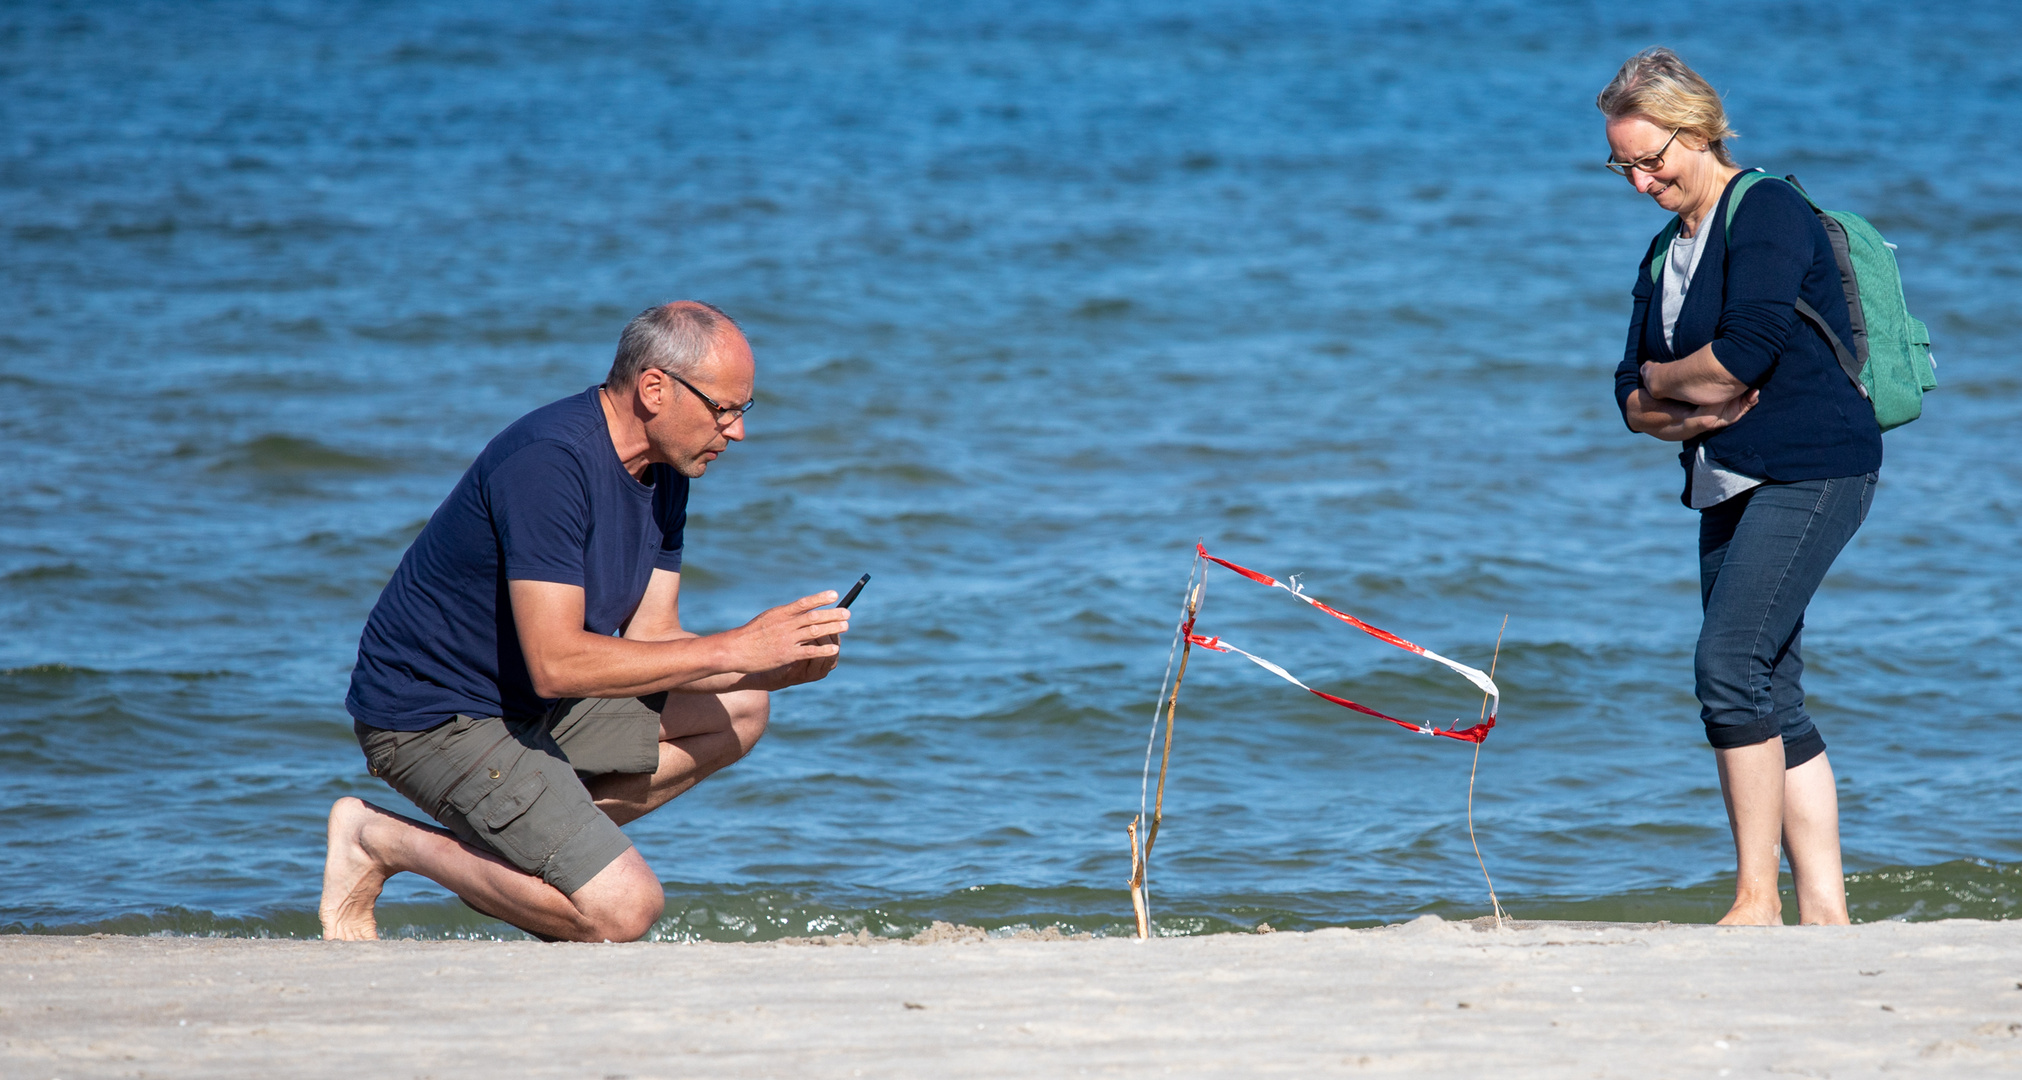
(515, 787)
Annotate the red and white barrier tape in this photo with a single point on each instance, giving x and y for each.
(1474, 734)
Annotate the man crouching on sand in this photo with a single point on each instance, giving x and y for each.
(491, 691)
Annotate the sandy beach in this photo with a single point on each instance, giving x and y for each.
(1426, 998)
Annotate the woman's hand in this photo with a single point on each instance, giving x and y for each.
(1720, 415)
(1677, 421)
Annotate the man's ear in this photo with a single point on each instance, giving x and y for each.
(651, 390)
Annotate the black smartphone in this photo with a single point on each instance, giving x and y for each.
(850, 597)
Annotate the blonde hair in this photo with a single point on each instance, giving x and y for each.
(1656, 85)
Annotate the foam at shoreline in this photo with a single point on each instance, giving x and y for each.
(1962, 889)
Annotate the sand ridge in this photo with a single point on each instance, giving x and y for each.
(1425, 998)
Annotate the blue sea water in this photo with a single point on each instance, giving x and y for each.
(1041, 293)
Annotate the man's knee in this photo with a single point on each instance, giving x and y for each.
(750, 712)
(622, 902)
(627, 919)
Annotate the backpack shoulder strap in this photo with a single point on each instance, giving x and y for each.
(1655, 259)
(1753, 177)
(1741, 185)
(1847, 361)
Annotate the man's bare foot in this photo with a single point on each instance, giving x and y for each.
(352, 878)
(1753, 912)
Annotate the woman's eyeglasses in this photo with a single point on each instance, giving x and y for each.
(1650, 163)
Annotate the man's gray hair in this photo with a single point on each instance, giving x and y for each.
(676, 338)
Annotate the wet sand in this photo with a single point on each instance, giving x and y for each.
(1425, 998)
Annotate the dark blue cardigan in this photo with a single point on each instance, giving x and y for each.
(1810, 423)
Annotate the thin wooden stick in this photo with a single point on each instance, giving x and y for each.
(1171, 710)
(1493, 903)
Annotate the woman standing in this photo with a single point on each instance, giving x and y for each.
(1780, 453)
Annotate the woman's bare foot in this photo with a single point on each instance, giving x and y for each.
(352, 878)
(1754, 911)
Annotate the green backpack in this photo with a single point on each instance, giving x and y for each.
(1890, 358)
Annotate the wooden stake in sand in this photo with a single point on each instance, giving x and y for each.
(1140, 859)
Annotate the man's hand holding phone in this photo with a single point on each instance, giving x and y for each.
(807, 614)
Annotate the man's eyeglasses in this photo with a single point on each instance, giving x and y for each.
(725, 415)
(1650, 163)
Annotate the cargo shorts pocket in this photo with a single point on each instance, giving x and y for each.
(380, 747)
(494, 806)
(501, 812)
(525, 808)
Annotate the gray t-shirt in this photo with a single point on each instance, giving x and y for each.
(1711, 484)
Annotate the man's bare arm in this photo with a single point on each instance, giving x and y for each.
(658, 618)
(566, 660)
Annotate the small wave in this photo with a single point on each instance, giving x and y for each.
(141, 230)
(141, 227)
(694, 913)
(1961, 889)
(52, 671)
(903, 473)
(276, 454)
(430, 55)
(1050, 709)
(56, 572)
(306, 329)
(842, 369)
(1104, 308)
(1416, 316)
(184, 922)
(493, 327)
(343, 543)
(65, 672)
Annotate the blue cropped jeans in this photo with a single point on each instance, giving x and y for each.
(1762, 554)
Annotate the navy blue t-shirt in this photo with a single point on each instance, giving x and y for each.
(548, 500)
